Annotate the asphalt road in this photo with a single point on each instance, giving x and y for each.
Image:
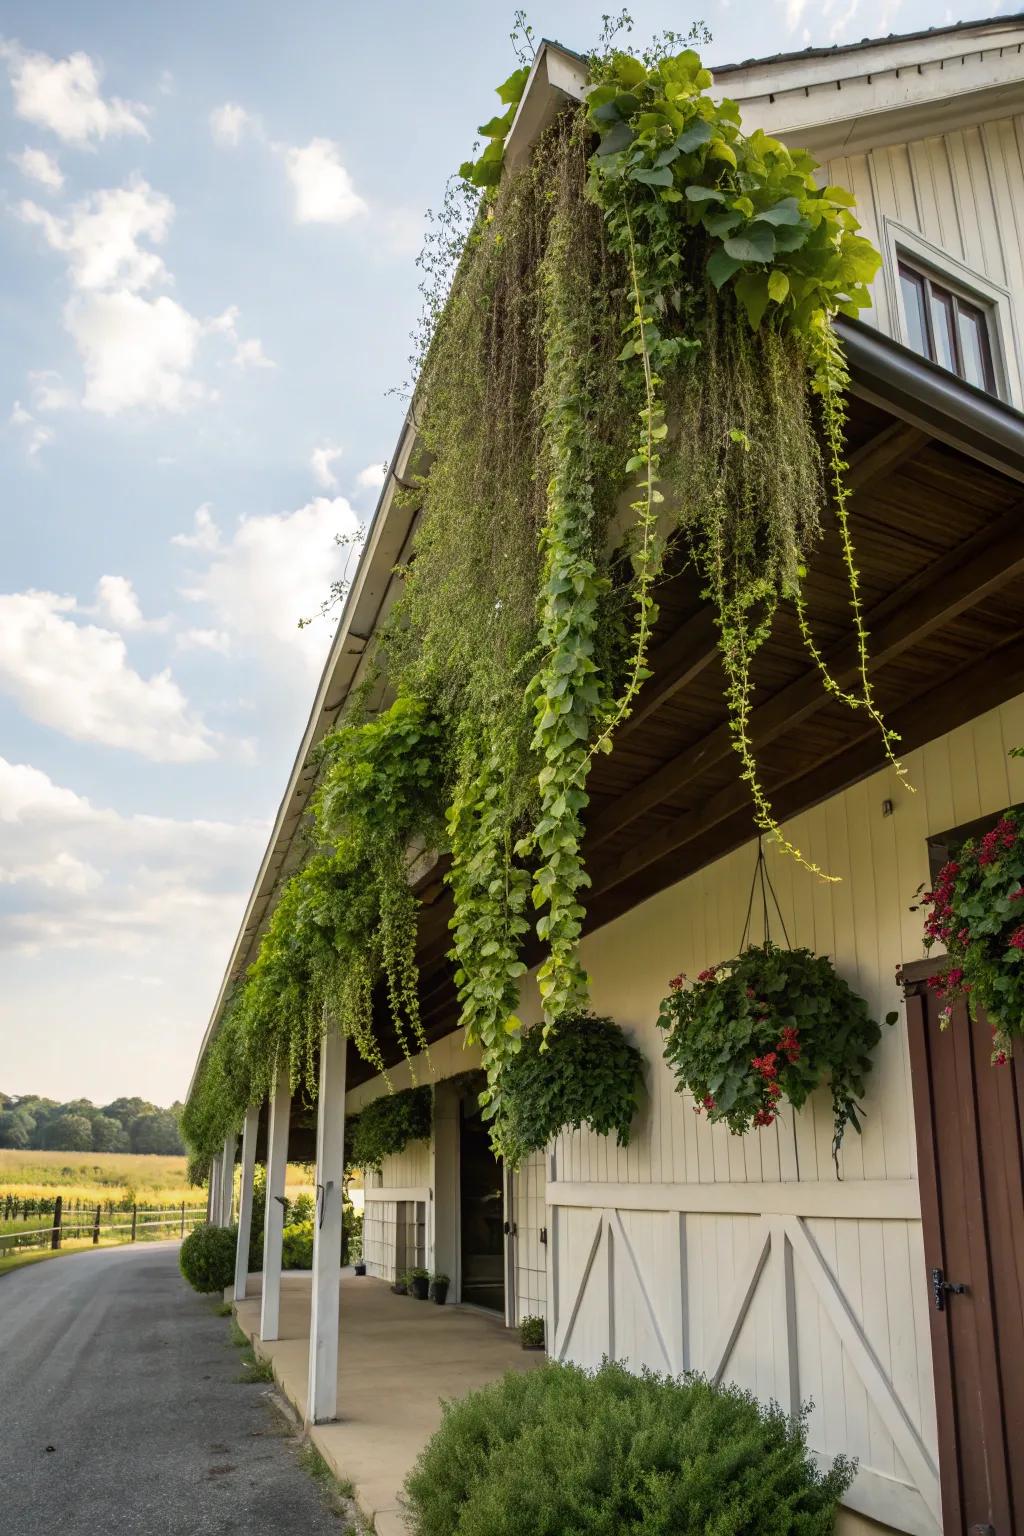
(121, 1413)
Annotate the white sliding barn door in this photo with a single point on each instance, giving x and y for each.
(796, 1293)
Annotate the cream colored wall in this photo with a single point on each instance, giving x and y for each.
(964, 193)
(746, 1256)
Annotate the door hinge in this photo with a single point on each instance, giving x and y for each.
(941, 1286)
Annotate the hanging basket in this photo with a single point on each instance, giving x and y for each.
(767, 1027)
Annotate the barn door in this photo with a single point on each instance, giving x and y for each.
(969, 1117)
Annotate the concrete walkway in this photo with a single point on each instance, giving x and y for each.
(121, 1413)
(398, 1359)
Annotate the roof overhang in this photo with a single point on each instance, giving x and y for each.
(845, 100)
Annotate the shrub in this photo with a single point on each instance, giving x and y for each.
(531, 1332)
(302, 1208)
(606, 1453)
(207, 1257)
(297, 1245)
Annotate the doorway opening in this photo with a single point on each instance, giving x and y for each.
(482, 1214)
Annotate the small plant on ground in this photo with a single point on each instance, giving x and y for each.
(607, 1453)
(531, 1332)
(207, 1258)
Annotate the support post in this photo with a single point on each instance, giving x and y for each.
(227, 1188)
(277, 1165)
(212, 1198)
(322, 1393)
(183, 1219)
(135, 1221)
(249, 1130)
(58, 1217)
(96, 1228)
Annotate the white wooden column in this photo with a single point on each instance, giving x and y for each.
(227, 1180)
(322, 1393)
(249, 1131)
(277, 1165)
(211, 1192)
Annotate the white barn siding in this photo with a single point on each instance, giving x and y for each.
(963, 192)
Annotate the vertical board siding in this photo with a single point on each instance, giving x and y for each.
(530, 1216)
(963, 192)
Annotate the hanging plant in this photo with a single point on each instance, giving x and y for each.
(770, 1025)
(387, 1125)
(584, 1072)
(977, 912)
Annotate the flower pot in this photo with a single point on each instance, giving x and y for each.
(523, 1345)
(420, 1287)
(439, 1291)
(360, 1268)
(398, 1289)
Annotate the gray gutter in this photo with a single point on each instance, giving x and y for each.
(927, 396)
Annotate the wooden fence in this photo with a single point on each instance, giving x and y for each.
(76, 1224)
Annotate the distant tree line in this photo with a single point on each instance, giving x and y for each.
(28, 1122)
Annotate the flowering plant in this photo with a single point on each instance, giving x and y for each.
(769, 1025)
(977, 912)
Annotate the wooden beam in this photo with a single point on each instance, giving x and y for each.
(954, 584)
(725, 821)
(884, 453)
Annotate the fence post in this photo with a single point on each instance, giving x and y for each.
(183, 1218)
(96, 1228)
(135, 1217)
(58, 1213)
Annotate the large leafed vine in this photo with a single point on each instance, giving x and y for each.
(636, 351)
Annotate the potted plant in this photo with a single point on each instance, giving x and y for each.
(401, 1285)
(769, 1025)
(360, 1267)
(419, 1283)
(439, 1289)
(531, 1332)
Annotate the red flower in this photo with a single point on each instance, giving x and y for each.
(1017, 938)
(999, 1058)
(763, 1117)
(709, 1102)
(766, 1065)
(709, 974)
(789, 1043)
(676, 984)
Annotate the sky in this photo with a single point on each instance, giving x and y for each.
(209, 219)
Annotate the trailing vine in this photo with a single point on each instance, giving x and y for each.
(387, 1125)
(627, 344)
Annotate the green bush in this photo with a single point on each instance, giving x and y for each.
(297, 1245)
(605, 1453)
(389, 1124)
(207, 1258)
(302, 1208)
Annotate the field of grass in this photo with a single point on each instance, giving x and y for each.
(97, 1178)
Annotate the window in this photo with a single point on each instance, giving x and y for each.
(946, 327)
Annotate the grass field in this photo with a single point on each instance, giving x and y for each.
(97, 1177)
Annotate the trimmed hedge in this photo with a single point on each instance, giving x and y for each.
(606, 1453)
(207, 1258)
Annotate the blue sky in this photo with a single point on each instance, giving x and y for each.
(210, 216)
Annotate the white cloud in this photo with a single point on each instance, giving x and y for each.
(36, 434)
(136, 352)
(372, 477)
(324, 193)
(49, 392)
(76, 678)
(204, 640)
(320, 462)
(37, 165)
(250, 354)
(205, 534)
(90, 877)
(101, 236)
(228, 124)
(118, 603)
(64, 96)
(274, 570)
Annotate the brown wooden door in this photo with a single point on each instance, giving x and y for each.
(969, 1118)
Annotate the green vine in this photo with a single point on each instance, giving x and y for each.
(387, 1125)
(627, 344)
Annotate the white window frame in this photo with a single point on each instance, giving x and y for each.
(903, 244)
